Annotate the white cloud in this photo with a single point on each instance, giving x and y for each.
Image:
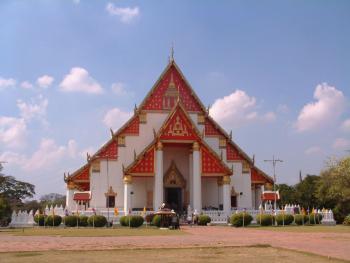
(313, 150)
(34, 110)
(237, 109)
(283, 108)
(346, 125)
(329, 105)
(341, 144)
(7, 83)
(79, 80)
(12, 131)
(125, 14)
(118, 88)
(115, 118)
(26, 85)
(45, 81)
(77, 2)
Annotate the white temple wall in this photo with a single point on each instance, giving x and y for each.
(210, 192)
(140, 187)
(213, 142)
(242, 184)
(145, 137)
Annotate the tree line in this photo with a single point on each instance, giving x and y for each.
(330, 189)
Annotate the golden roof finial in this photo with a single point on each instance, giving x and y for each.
(172, 52)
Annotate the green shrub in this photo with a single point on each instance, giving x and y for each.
(132, 220)
(238, 219)
(122, 221)
(53, 220)
(203, 220)
(265, 219)
(156, 221)
(314, 219)
(40, 219)
(83, 221)
(97, 221)
(70, 221)
(287, 219)
(301, 219)
(347, 220)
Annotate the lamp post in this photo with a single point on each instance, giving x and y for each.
(274, 161)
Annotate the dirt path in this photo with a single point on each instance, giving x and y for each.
(335, 245)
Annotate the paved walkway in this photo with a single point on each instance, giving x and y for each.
(335, 245)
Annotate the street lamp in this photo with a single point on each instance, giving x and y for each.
(274, 161)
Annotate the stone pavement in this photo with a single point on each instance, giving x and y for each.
(335, 245)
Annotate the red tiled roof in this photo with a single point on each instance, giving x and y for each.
(81, 196)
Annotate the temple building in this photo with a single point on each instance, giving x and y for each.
(170, 151)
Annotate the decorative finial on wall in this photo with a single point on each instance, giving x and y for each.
(231, 135)
(134, 155)
(112, 133)
(154, 133)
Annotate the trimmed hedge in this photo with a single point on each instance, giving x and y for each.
(265, 219)
(39, 219)
(83, 221)
(156, 221)
(53, 220)
(97, 221)
(135, 221)
(238, 219)
(70, 221)
(287, 218)
(347, 221)
(315, 219)
(301, 219)
(203, 220)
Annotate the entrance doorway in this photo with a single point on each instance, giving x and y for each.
(173, 198)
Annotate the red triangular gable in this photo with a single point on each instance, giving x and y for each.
(110, 151)
(178, 127)
(211, 164)
(257, 177)
(83, 174)
(210, 129)
(164, 95)
(232, 153)
(145, 165)
(133, 127)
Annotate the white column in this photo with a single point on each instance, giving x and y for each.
(127, 193)
(158, 178)
(190, 177)
(197, 183)
(69, 199)
(226, 195)
(253, 196)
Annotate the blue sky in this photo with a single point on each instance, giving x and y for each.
(275, 72)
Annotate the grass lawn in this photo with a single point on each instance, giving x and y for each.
(257, 254)
(90, 232)
(306, 229)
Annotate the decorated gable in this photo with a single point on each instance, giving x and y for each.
(110, 151)
(168, 89)
(210, 129)
(144, 165)
(132, 128)
(232, 153)
(178, 127)
(211, 164)
(82, 175)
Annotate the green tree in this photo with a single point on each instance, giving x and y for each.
(287, 194)
(12, 193)
(306, 192)
(52, 199)
(334, 187)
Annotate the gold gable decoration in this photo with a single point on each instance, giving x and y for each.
(222, 142)
(200, 118)
(178, 129)
(95, 167)
(121, 141)
(173, 178)
(110, 192)
(245, 167)
(143, 117)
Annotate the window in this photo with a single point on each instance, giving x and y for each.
(110, 202)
